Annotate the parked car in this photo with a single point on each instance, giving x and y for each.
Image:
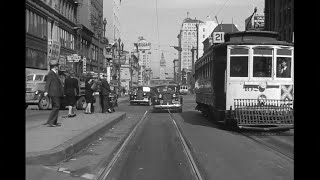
(35, 85)
(142, 95)
(168, 97)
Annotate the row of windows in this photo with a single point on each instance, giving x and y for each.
(63, 7)
(66, 39)
(85, 48)
(262, 64)
(66, 9)
(36, 25)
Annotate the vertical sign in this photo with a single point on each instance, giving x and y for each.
(84, 65)
(218, 37)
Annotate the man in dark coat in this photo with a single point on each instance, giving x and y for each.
(105, 91)
(285, 71)
(54, 89)
(71, 90)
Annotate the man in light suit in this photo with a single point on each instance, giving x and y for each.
(54, 89)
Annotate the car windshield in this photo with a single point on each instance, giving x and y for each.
(166, 88)
(144, 89)
(30, 77)
(38, 77)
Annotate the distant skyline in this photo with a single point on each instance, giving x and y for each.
(138, 18)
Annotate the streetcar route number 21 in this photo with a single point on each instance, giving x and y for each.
(218, 37)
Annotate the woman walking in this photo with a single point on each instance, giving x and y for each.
(89, 93)
(71, 89)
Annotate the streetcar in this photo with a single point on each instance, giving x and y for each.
(247, 81)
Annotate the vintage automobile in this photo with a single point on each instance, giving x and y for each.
(142, 95)
(168, 97)
(35, 85)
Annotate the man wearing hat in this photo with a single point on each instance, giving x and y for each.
(71, 90)
(54, 89)
(105, 91)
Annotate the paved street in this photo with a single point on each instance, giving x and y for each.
(155, 151)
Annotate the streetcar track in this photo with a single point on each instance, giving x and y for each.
(186, 149)
(102, 175)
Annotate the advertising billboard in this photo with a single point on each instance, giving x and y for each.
(258, 22)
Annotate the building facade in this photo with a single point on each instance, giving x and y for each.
(187, 40)
(204, 31)
(279, 17)
(143, 49)
(49, 32)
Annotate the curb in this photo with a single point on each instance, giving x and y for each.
(72, 146)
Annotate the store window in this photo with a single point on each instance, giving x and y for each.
(36, 59)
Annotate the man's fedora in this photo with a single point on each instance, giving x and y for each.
(54, 63)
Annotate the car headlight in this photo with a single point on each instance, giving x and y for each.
(173, 95)
(36, 92)
(144, 94)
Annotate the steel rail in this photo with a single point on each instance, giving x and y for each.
(187, 150)
(102, 175)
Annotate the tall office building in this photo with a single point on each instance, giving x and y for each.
(111, 11)
(187, 40)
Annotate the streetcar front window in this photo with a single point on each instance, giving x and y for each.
(262, 66)
(283, 67)
(239, 66)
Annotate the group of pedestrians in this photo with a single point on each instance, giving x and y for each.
(91, 85)
(55, 89)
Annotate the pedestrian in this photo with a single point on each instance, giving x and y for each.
(105, 91)
(71, 90)
(54, 89)
(89, 93)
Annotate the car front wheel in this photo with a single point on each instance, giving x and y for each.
(44, 103)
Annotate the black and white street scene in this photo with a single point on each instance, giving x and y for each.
(159, 90)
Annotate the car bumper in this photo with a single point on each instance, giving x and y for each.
(167, 106)
(140, 101)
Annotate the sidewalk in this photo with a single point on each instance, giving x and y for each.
(50, 145)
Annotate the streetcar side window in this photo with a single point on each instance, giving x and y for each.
(284, 67)
(239, 66)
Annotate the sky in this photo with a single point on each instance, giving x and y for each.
(160, 21)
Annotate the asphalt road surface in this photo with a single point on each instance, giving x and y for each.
(156, 152)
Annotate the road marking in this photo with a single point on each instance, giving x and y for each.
(105, 172)
(187, 150)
